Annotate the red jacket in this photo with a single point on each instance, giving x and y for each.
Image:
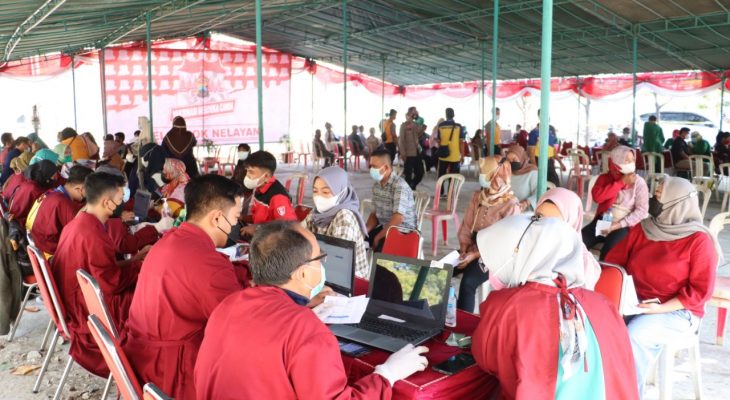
(683, 268)
(271, 202)
(126, 242)
(55, 211)
(605, 191)
(260, 344)
(517, 340)
(23, 198)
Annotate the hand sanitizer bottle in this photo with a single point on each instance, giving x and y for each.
(451, 308)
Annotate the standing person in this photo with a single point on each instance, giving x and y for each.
(680, 150)
(621, 192)
(672, 257)
(408, 145)
(337, 213)
(179, 143)
(533, 149)
(390, 139)
(524, 177)
(497, 135)
(320, 149)
(392, 200)
(491, 203)
(299, 357)
(174, 300)
(541, 333)
(700, 146)
(653, 137)
(449, 139)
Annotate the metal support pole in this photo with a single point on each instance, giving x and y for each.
(722, 99)
(344, 82)
(73, 83)
(634, 61)
(577, 132)
(259, 76)
(149, 75)
(495, 50)
(102, 70)
(382, 94)
(312, 100)
(546, 64)
(482, 96)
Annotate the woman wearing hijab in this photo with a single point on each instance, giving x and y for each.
(611, 142)
(179, 143)
(672, 257)
(488, 205)
(36, 142)
(524, 177)
(566, 205)
(173, 172)
(337, 213)
(542, 334)
(621, 193)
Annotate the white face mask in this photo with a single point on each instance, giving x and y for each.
(628, 168)
(251, 183)
(130, 158)
(483, 181)
(324, 204)
(242, 155)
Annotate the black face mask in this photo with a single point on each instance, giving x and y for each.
(516, 166)
(234, 235)
(655, 207)
(118, 210)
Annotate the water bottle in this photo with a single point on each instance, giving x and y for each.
(608, 215)
(451, 308)
(166, 212)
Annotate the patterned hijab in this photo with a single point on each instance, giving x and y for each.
(521, 154)
(174, 171)
(498, 172)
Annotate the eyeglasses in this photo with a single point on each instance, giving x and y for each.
(321, 258)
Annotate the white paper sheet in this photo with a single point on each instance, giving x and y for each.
(343, 310)
(629, 299)
(451, 259)
(234, 253)
(601, 226)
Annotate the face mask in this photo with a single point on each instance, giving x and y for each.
(250, 183)
(375, 174)
(318, 287)
(515, 165)
(118, 209)
(495, 282)
(483, 181)
(229, 234)
(324, 204)
(656, 207)
(127, 194)
(242, 155)
(628, 168)
(130, 158)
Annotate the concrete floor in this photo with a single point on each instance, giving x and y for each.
(81, 385)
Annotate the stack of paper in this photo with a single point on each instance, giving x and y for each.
(235, 253)
(342, 310)
(629, 299)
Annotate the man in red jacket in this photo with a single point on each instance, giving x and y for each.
(271, 201)
(264, 341)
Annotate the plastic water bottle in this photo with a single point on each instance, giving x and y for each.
(608, 215)
(166, 212)
(451, 308)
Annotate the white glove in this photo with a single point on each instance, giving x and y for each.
(403, 363)
(164, 224)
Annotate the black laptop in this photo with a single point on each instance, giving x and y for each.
(408, 299)
(340, 264)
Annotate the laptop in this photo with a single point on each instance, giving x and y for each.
(408, 299)
(340, 264)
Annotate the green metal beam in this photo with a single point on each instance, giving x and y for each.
(73, 87)
(495, 56)
(148, 32)
(545, 75)
(259, 76)
(28, 24)
(634, 64)
(345, 26)
(722, 99)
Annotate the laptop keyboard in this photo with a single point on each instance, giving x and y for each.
(392, 329)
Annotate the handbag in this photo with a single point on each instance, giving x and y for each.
(444, 151)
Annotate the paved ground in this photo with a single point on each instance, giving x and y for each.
(81, 385)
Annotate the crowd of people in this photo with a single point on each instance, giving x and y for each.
(185, 311)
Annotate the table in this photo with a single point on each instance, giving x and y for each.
(471, 383)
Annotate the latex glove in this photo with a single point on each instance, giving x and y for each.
(403, 363)
(164, 224)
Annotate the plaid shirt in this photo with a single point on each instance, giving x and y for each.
(395, 197)
(345, 226)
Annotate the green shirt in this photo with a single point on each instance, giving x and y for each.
(653, 138)
(701, 148)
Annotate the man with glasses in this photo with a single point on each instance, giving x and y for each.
(182, 280)
(264, 340)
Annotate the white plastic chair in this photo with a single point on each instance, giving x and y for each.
(701, 170)
(588, 212)
(422, 200)
(665, 364)
(650, 163)
(706, 194)
(454, 182)
(579, 171)
(723, 185)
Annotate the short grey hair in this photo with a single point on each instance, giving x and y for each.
(277, 250)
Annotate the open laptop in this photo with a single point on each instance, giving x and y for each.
(340, 264)
(408, 299)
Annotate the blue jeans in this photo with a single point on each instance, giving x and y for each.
(649, 332)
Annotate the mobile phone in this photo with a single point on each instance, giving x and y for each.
(353, 349)
(455, 364)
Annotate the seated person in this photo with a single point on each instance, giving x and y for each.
(353, 140)
(488, 205)
(373, 142)
(174, 300)
(700, 146)
(320, 149)
(85, 244)
(40, 177)
(621, 192)
(722, 148)
(173, 173)
(625, 139)
(55, 209)
(20, 146)
(300, 357)
(670, 142)
(337, 213)
(672, 257)
(566, 205)
(681, 151)
(582, 350)
(271, 201)
(524, 177)
(242, 152)
(611, 142)
(392, 200)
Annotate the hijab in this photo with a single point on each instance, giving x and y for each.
(21, 162)
(174, 170)
(498, 172)
(336, 180)
(521, 154)
(33, 137)
(616, 158)
(178, 139)
(571, 208)
(681, 216)
(45, 154)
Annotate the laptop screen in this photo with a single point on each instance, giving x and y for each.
(141, 204)
(339, 265)
(411, 286)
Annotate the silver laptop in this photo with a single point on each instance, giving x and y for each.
(340, 264)
(408, 299)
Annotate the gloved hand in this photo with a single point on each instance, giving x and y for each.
(164, 224)
(403, 363)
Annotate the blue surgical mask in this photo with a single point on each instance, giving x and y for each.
(483, 181)
(375, 174)
(127, 194)
(318, 287)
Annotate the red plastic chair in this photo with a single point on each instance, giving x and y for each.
(301, 186)
(611, 283)
(121, 370)
(402, 242)
(30, 283)
(354, 158)
(302, 212)
(152, 392)
(212, 161)
(454, 183)
(303, 154)
(230, 161)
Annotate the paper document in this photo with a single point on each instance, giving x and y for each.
(601, 226)
(629, 299)
(342, 310)
(235, 253)
(451, 259)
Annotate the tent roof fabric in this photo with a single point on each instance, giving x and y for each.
(417, 41)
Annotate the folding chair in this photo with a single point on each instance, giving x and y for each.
(30, 284)
(422, 199)
(402, 242)
(96, 305)
(129, 387)
(454, 182)
(152, 392)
